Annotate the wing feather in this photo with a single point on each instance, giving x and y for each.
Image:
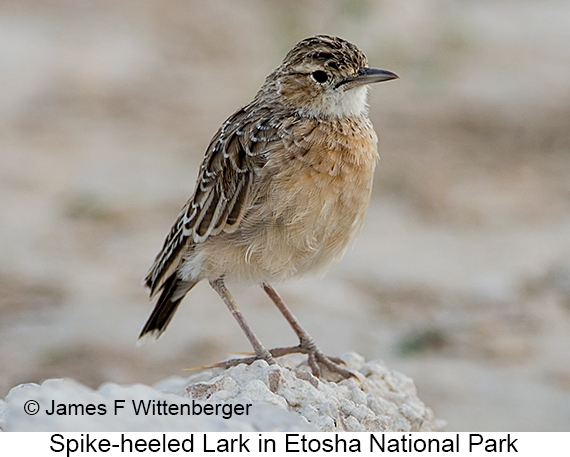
(224, 189)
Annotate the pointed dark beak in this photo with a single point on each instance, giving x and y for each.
(367, 75)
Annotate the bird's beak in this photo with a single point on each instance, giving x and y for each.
(367, 75)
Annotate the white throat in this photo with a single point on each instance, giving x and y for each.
(350, 103)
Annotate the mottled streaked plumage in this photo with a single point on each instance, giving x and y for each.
(283, 189)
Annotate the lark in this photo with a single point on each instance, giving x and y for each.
(282, 192)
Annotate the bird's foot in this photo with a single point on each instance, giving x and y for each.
(316, 357)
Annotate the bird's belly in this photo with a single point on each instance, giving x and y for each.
(299, 233)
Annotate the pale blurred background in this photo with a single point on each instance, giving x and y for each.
(461, 276)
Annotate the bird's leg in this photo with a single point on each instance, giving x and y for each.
(260, 351)
(306, 343)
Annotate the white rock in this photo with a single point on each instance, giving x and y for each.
(284, 397)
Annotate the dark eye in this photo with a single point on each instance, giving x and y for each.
(320, 76)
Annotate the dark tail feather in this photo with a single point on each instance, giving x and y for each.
(173, 291)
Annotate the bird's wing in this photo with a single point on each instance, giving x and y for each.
(224, 190)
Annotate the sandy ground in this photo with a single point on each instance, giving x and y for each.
(461, 276)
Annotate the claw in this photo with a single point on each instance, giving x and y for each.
(334, 366)
(227, 363)
(200, 367)
(314, 365)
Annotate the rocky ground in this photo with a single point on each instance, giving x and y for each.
(256, 397)
(461, 276)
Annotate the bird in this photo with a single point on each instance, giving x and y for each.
(282, 192)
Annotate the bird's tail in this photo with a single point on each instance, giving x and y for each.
(173, 291)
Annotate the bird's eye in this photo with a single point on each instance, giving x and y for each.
(320, 76)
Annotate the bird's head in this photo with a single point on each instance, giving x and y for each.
(325, 76)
